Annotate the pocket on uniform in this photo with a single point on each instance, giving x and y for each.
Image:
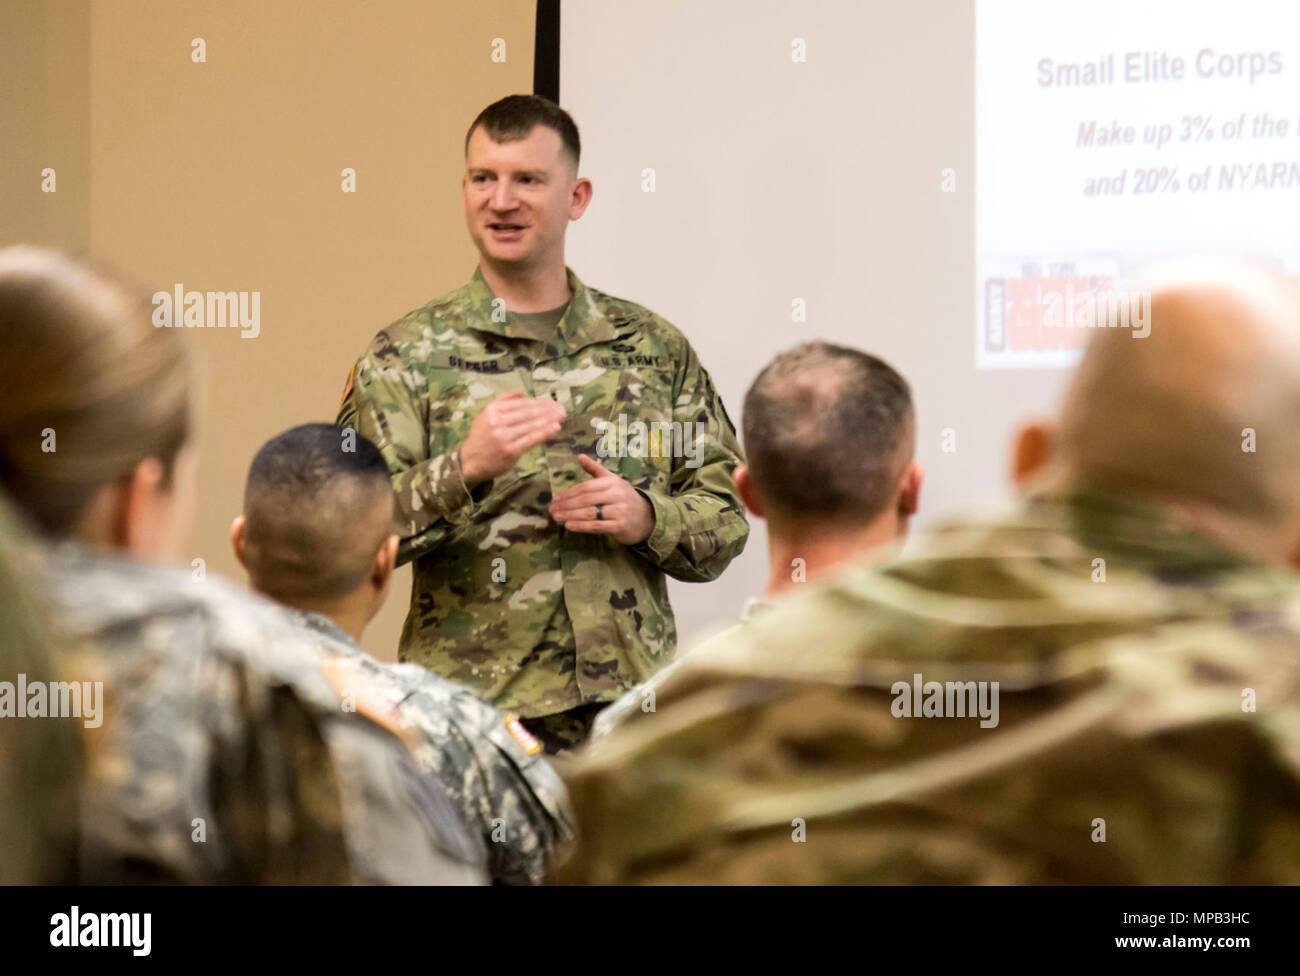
(642, 428)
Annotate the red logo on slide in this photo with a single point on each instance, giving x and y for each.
(1037, 312)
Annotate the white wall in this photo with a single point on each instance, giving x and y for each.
(776, 180)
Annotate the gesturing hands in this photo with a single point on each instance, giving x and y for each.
(513, 424)
(624, 512)
(509, 426)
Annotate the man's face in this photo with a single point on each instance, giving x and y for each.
(520, 196)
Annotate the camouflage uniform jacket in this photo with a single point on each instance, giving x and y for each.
(225, 753)
(493, 770)
(1148, 721)
(536, 619)
(642, 697)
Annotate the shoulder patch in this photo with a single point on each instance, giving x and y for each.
(526, 739)
(347, 387)
(358, 693)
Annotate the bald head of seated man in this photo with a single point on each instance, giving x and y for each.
(830, 438)
(1201, 417)
(317, 529)
(1101, 687)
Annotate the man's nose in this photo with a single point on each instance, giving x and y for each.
(503, 197)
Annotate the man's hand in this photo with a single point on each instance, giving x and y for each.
(624, 512)
(509, 426)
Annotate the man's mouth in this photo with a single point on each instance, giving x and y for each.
(505, 228)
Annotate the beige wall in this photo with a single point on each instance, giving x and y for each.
(45, 122)
(226, 176)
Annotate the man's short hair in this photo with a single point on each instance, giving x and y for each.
(828, 431)
(514, 116)
(317, 506)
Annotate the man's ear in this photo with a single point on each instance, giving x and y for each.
(1293, 560)
(239, 539)
(1032, 451)
(909, 494)
(582, 191)
(745, 489)
(381, 571)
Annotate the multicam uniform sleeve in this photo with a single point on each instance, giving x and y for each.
(700, 525)
(388, 402)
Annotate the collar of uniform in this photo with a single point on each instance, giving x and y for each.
(754, 607)
(582, 323)
(1142, 529)
(324, 625)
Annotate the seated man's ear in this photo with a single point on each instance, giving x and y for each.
(1032, 451)
(238, 539)
(1294, 559)
(745, 489)
(909, 494)
(381, 572)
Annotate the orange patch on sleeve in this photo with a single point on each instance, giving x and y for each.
(357, 694)
(521, 735)
(347, 388)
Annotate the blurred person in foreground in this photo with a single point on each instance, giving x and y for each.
(223, 751)
(1101, 688)
(40, 755)
(317, 536)
(830, 434)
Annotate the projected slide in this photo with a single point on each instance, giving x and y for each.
(1113, 133)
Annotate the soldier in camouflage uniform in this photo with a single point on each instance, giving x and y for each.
(830, 434)
(217, 749)
(540, 571)
(502, 786)
(318, 507)
(1135, 625)
(239, 759)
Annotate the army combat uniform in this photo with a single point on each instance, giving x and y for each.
(536, 619)
(1147, 721)
(642, 698)
(492, 769)
(225, 753)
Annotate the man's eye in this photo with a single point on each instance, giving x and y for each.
(478, 178)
